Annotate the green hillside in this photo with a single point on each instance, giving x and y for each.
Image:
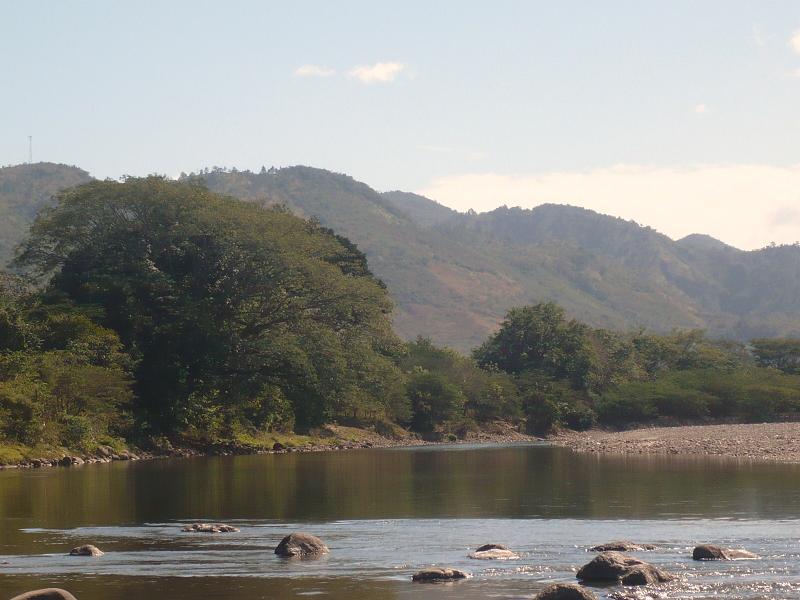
(24, 189)
(452, 276)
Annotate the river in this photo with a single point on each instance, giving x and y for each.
(385, 513)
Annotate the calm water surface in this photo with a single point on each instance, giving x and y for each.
(387, 513)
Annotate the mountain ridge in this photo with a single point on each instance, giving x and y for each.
(453, 275)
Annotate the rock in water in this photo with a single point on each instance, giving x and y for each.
(644, 575)
(712, 552)
(87, 550)
(47, 594)
(493, 552)
(486, 547)
(621, 546)
(436, 575)
(301, 544)
(209, 528)
(565, 591)
(615, 566)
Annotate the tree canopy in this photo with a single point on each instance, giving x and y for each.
(231, 313)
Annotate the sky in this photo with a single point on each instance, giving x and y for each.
(681, 115)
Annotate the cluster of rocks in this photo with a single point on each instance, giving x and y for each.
(103, 454)
(610, 566)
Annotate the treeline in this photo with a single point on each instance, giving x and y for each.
(157, 312)
(573, 375)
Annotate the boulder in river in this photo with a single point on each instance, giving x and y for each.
(493, 552)
(439, 574)
(565, 591)
(209, 528)
(46, 594)
(86, 550)
(712, 552)
(622, 546)
(616, 566)
(301, 544)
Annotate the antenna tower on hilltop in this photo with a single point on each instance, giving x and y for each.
(30, 149)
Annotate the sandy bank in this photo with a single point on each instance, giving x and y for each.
(760, 441)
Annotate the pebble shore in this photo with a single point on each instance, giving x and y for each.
(778, 442)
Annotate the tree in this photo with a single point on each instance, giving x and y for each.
(540, 338)
(221, 304)
(433, 401)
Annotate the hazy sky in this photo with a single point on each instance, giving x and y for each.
(682, 115)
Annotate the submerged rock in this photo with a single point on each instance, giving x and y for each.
(209, 528)
(615, 566)
(436, 574)
(712, 552)
(621, 546)
(86, 550)
(301, 544)
(565, 591)
(46, 594)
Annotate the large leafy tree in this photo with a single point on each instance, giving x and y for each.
(230, 312)
(540, 338)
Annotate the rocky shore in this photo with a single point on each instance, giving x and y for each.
(759, 441)
(333, 438)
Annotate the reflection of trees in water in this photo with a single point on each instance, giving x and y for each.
(490, 482)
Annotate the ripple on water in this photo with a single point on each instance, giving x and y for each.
(392, 549)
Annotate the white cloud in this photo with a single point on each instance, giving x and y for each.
(795, 41)
(743, 205)
(313, 71)
(701, 109)
(382, 72)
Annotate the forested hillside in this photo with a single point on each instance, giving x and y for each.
(24, 189)
(452, 275)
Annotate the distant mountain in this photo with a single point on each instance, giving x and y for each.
(24, 189)
(422, 210)
(453, 275)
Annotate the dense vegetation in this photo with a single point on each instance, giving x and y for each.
(169, 313)
(64, 380)
(571, 374)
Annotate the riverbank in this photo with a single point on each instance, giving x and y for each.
(325, 439)
(758, 441)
